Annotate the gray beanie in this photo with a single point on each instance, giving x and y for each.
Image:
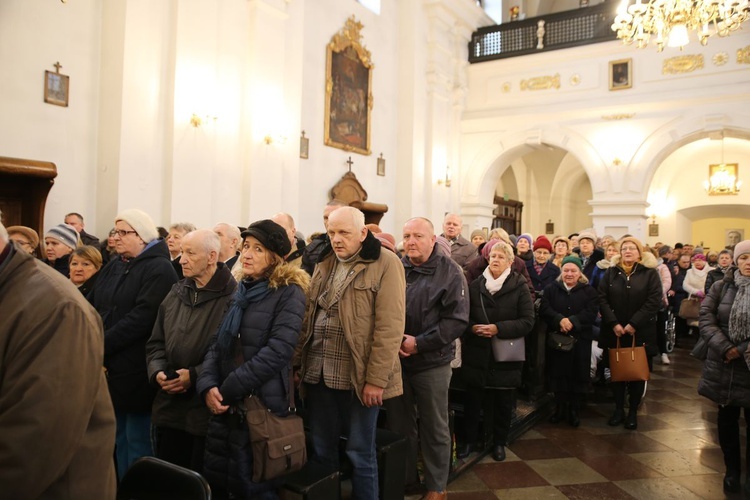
(141, 222)
(65, 234)
(741, 248)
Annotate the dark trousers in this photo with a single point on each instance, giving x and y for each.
(179, 447)
(661, 330)
(729, 437)
(634, 390)
(501, 401)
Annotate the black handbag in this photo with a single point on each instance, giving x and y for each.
(560, 342)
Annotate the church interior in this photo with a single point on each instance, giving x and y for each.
(234, 110)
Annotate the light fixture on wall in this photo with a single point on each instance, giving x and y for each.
(447, 180)
(722, 177)
(671, 21)
(196, 120)
(270, 139)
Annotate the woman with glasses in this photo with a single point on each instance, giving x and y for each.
(25, 238)
(630, 295)
(127, 295)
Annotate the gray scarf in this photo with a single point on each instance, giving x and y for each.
(739, 316)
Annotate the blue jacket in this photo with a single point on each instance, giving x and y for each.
(127, 295)
(268, 335)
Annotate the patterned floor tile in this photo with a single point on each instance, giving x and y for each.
(559, 471)
(673, 463)
(504, 475)
(600, 491)
(538, 492)
(661, 489)
(535, 449)
(620, 467)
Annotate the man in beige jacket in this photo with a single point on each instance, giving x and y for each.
(57, 426)
(348, 351)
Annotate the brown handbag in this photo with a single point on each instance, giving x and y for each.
(278, 443)
(690, 308)
(628, 364)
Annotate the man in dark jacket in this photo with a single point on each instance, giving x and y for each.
(312, 253)
(437, 313)
(76, 220)
(589, 254)
(187, 321)
(127, 296)
(56, 420)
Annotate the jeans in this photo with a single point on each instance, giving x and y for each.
(426, 394)
(333, 413)
(133, 439)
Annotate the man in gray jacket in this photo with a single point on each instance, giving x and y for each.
(187, 321)
(462, 250)
(437, 313)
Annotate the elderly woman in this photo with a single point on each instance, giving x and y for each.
(501, 308)
(723, 264)
(127, 295)
(630, 296)
(251, 354)
(85, 263)
(695, 278)
(478, 238)
(560, 249)
(524, 247)
(59, 243)
(725, 325)
(541, 271)
(25, 238)
(569, 306)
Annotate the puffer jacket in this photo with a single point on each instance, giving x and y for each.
(512, 310)
(186, 324)
(268, 333)
(371, 311)
(127, 295)
(437, 310)
(634, 300)
(722, 383)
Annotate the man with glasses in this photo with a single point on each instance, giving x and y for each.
(128, 293)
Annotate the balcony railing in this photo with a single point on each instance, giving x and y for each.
(562, 30)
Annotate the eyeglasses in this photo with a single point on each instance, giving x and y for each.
(121, 232)
(24, 243)
(112, 233)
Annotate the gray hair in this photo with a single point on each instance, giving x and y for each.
(3, 232)
(206, 239)
(506, 248)
(357, 216)
(231, 231)
(185, 227)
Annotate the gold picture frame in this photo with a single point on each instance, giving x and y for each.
(56, 86)
(348, 91)
(620, 74)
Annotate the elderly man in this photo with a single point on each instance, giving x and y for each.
(437, 313)
(589, 254)
(294, 257)
(312, 252)
(187, 321)
(57, 426)
(229, 236)
(348, 353)
(127, 295)
(76, 220)
(462, 251)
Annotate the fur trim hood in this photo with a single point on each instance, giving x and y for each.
(647, 260)
(285, 274)
(370, 248)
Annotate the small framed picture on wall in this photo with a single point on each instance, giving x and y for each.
(621, 74)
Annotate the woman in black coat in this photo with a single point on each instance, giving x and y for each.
(569, 306)
(725, 325)
(500, 307)
(630, 296)
(251, 355)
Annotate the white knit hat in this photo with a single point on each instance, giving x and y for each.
(65, 234)
(141, 222)
(740, 248)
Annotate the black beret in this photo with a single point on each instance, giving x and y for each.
(271, 235)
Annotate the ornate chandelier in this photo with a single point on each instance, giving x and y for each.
(722, 177)
(671, 21)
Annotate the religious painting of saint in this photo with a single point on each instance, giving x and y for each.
(621, 74)
(348, 91)
(56, 88)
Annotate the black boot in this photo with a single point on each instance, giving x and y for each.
(617, 417)
(632, 421)
(732, 482)
(465, 450)
(559, 413)
(498, 453)
(573, 418)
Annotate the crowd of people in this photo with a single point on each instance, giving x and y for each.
(187, 322)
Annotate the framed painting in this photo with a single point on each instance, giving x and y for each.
(56, 88)
(348, 91)
(733, 236)
(621, 74)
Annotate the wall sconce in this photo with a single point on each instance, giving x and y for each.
(270, 139)
(616, 162)
(196, 121)
(447, 180)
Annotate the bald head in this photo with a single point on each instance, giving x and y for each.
(419, 240)
(229, 237)
(285, 220)
(200, 253)
(452, 226)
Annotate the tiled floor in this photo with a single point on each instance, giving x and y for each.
(673, 454)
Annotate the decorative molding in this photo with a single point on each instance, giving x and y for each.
(682, 64)
(541, 83)
(743, 55)
(619, 116)
(720, 58)
(575, 79)
(506, 87)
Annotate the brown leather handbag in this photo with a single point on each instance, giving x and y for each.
(628, 364)
(278, 443)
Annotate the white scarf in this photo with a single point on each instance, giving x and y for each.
(492, 284)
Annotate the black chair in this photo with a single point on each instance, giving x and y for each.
(150, 478)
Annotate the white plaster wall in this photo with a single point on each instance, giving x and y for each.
(34, 34)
